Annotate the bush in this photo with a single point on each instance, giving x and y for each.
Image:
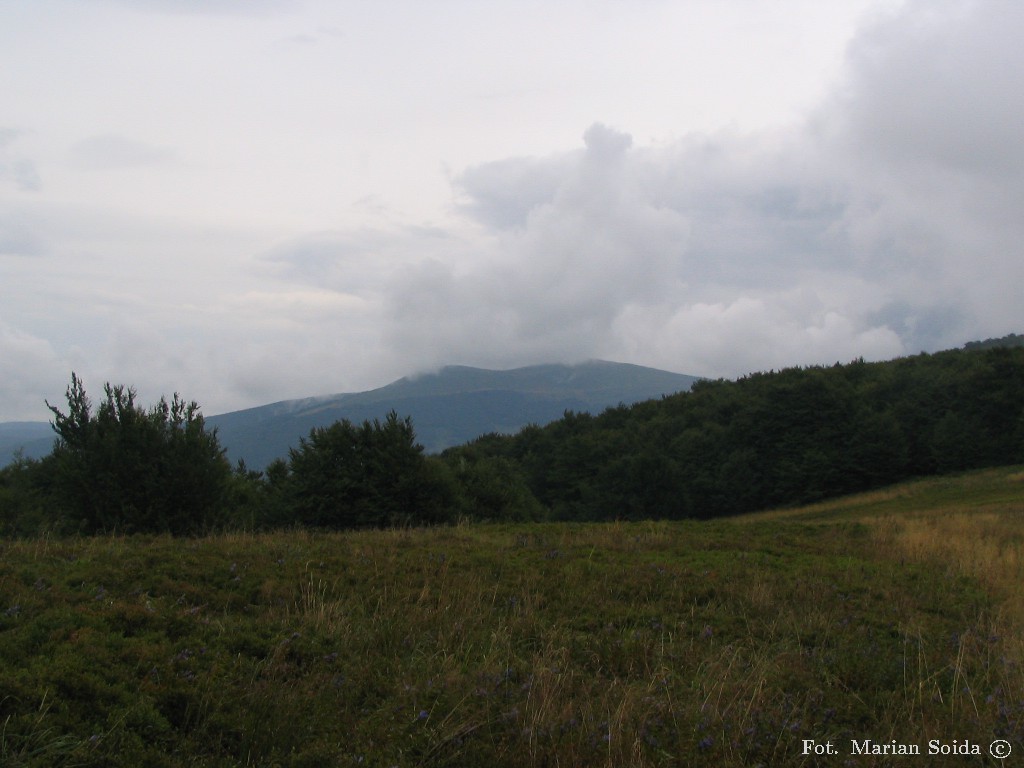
(126, 469)
(372, 475)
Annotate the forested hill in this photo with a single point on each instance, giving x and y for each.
(723, 447)
(774, 438)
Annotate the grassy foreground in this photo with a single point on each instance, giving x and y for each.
(887, 616)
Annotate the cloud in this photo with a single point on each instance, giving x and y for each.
(564, 257)
(16, 169)
(30, 367)
(658, 255)
(885, 224)
(886, 221)
(926, 126)
(503, 193)
(207, 7)
(361, 261)
(113, 152)
(16, 239)
(935, 88)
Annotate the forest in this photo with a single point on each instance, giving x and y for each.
(767, 440)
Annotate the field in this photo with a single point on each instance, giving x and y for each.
(893, 617)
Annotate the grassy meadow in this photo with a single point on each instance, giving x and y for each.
(894, 615)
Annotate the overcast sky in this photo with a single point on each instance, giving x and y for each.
(253, 200)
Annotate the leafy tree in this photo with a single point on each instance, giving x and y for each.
(374, 474)
(125, 468)
(492, 487)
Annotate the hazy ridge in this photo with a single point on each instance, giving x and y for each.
(452, 406)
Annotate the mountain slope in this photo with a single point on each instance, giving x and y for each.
(33, 439)
(450, 407)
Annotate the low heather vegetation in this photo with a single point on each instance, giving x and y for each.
(652, 643)
(346, 607)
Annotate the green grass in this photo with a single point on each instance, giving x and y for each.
(643, 644)
(1000, 490)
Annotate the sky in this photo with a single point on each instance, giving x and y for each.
(247, 201)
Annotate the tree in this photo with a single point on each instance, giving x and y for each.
(493, 487)
(372, 475)
(23, 500)
(127, 469)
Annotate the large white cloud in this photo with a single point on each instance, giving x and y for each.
(927, 127)
(884, 222)
(715, 255)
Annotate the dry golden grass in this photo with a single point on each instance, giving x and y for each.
(972, 526)
(987, 546)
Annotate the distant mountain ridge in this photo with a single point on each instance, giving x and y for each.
(449, 407)
(452, 406)
(33, 439)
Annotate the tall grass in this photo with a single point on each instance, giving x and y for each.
(642, 644)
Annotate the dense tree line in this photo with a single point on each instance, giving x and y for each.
(120, 468)
(1013, 340)
(725, 447)
(776, 438)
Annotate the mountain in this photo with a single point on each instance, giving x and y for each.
(33, 438)
(449, 407)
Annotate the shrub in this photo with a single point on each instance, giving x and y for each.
(128, 469)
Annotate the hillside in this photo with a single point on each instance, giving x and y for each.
(730, 643)
(770, 439)
(34, 439)
(453, 406)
